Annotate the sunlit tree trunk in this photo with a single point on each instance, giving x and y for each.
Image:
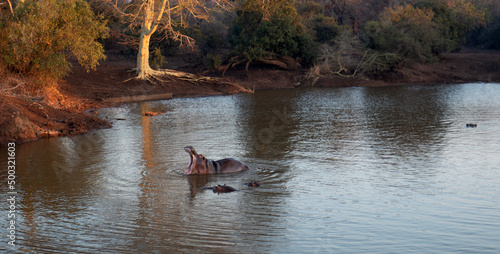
(10, 6)
(151, 13)
(143, 67)
(149, 26)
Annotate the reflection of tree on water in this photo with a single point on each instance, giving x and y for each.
(327, 125)
(267, 126)
(196, 182)
(147, 142)
(407, 121)
(56, 180)
(149, 196)
(406, 126)
(267, 130)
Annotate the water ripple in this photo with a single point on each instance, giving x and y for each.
(348, 170)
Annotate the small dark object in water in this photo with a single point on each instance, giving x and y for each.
(151, 114)
(252, 184)
(220, 188)
(471, 125)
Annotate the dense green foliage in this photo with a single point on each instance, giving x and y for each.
(323, 29)
(423, 31)
(487, 37)
(270, 29)
(407, 31)
(451, 23)
(326, 28)
(41, 36)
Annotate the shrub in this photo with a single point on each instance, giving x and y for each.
(454, 20)
(271, 29)
(42, 35)
(310, 9)
(213, 62)
(375, 62)
(213, 35)
(326, 28)
(487, 37)
(407, 31)
(323, 29)
(158, 58)
(347, 57)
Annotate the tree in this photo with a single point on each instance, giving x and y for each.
(150, 22)
(454, 19)
(324, 29)
(169, 16)
(407, 31)
(270, 29)
(41, 36)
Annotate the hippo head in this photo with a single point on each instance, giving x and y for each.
(198, 164)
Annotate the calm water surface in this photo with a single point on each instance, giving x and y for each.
(346, 170)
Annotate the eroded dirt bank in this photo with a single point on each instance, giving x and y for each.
(67, 108)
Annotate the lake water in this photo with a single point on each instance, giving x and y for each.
(342, 170)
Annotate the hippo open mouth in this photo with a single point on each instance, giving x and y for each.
(198, 164)
(192, 157)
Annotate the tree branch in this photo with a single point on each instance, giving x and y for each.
(10, 5)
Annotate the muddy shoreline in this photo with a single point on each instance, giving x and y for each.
(69, 107)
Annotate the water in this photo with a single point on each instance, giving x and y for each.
(344, 170)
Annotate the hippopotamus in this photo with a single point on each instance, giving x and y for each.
(221, 188)
(252, 184)
(198, 164)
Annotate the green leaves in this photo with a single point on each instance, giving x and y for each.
(272, 29)
(407, 31)
(423, 31)
(43, 35)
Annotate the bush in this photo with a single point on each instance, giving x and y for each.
(454, 20)
(452, 32)
(487, 37)
(213, 35)
(271, 30)
(42, 35)
(323, 29)
(310, 9)
(158, 58)
(407, 31)
(346, 56)
(213, 62)
(326, 28)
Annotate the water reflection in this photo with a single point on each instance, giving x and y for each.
(268, 124)
(406, 120)
(346, 170)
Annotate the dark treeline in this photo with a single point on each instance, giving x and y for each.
(340, 37)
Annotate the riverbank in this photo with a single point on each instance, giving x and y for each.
(68, 108)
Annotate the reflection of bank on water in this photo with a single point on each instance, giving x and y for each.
(345, 170)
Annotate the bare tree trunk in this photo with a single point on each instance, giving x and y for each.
(10, 5)
(149, 26)
(143, 68)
